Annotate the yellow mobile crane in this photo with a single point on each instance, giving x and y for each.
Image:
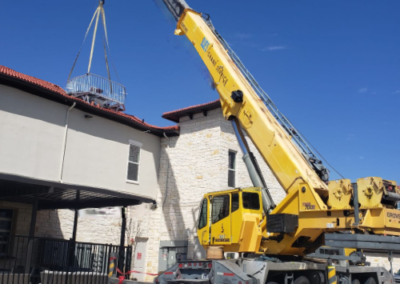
(247, 221)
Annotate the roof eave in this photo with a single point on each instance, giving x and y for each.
(54, 96)
(190, 111)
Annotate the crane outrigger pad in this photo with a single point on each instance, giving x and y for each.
(366, 242)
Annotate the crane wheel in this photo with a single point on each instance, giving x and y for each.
(301, 280)
(355, 281)
(370, 280)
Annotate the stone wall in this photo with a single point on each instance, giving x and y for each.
(191, 165)
(58, 224)
(381, 259)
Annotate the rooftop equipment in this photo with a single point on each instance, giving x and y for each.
(92, 88)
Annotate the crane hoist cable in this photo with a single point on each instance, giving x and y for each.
(99, 11)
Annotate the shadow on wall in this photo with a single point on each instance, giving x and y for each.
(180, 209)
(57, 224)
(170, 196)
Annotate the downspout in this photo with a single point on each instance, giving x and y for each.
(64, 148)
(166, 182)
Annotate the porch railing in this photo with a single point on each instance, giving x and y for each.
(48, 261)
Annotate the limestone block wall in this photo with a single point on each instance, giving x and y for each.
(381, 259)
(58, 224)
(104, 230)
(192, 164)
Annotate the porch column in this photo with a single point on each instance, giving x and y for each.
(122, 241)
(74, 232)
(31, 233)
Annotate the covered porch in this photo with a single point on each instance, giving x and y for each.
(27, 258)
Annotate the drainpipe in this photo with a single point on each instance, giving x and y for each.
(65, 142)
(166, 182)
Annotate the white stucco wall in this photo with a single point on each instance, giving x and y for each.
(97, 155)
(31, 135)
(32, 131)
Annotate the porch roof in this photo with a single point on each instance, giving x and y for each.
(53, 195)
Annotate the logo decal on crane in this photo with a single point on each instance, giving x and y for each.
(308, 206)
(204, 44)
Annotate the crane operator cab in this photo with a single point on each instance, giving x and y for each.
(232, 219)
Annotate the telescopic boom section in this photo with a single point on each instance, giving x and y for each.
(241, 100)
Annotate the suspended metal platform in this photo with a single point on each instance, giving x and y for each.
(92, 88)
(98, 90)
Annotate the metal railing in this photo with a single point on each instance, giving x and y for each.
(53, 261)
(107, 91)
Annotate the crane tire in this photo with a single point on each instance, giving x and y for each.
(301, 280)
(272, 283)
(355, 281)
(370, 280)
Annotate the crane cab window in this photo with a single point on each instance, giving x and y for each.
(251, 200)
(203, 214)
(220, 208)
(235, 202)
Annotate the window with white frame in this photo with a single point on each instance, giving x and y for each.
(6, 218)
(134, 160)
(231, 168)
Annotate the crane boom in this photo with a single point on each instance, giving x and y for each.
(283, 148)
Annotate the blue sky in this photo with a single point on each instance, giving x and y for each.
(332, 67)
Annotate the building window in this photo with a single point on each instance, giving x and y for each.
(231, 168)
(134, 159)
(220, 208)
(6, 217)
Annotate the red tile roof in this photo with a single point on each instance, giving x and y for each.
(41, 83)
(57, 90)
(176, 114)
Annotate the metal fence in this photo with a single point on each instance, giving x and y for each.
(97, 87)
(53, 261)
